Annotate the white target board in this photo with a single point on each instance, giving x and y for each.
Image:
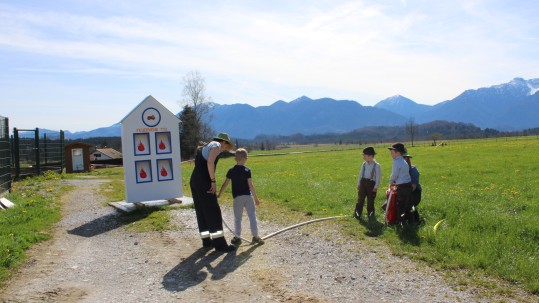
(151, 153)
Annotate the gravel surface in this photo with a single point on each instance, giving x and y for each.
(94, 258)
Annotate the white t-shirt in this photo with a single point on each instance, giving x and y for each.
(206, 149)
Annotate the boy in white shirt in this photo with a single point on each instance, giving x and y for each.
(369, 178)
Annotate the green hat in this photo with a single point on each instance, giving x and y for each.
(224, 137)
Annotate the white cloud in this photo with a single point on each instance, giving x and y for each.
(258, 52)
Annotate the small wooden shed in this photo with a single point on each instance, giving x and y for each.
(77, 157)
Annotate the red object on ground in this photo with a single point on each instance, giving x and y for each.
(391, 207)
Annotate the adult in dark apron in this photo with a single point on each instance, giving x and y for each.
(203, 189)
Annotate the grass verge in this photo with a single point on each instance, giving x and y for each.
(37, 208)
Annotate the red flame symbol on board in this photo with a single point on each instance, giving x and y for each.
(162, 145)
(143, 173)
(140, 146)
(164, 172)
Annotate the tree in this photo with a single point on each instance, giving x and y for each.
(411, 128)
(188, 133)
(197, 120)
(435, 137)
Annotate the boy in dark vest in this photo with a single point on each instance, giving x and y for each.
(369, 178)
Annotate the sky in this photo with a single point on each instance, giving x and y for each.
(79, 65)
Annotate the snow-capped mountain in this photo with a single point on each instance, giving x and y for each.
(402, 106)
(508, 106)
(490, 106)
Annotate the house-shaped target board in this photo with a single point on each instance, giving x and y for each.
(151, 153)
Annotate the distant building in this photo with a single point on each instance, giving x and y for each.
(101, 154)
(77, 157)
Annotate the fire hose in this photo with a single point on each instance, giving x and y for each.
(286, 228)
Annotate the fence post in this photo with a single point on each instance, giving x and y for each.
(10, 149)
(45, 148)
(62, 151)
(36, 148)
(16, 152)
(5, 154)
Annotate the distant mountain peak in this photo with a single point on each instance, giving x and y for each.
(395, 97)
(526, 86)
(301, 99)
(395, 101)
(403, 106)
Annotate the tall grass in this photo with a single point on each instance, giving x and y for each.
(486, 190)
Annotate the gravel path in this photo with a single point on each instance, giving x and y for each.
(93, 258)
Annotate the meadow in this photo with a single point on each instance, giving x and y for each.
(486, 191)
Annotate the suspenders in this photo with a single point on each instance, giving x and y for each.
(372, 171)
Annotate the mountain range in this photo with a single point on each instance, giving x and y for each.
(506, 107)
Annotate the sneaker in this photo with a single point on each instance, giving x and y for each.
(236, 241)
(357, 215)
(257, 240)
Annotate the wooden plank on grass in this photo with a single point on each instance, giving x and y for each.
(129, 207)
(123, 206)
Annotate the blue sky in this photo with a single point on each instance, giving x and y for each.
(80, 64)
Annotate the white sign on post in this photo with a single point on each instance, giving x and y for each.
(151, 153)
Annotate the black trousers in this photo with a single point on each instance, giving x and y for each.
(404, 201)
(208, 212)
(365, 191)
(416, 197)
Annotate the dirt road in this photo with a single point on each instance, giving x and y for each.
(94, 258)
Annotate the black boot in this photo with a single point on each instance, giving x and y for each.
(207, 243)
(221, 245)
(358, 211)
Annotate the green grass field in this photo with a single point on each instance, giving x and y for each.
(486, 190)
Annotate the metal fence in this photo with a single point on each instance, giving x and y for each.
(34, 153)
(5, 156)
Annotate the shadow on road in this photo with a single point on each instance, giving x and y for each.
(374, 228)
(109, 222)
(190, 270)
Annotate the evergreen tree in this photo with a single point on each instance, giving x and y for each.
(189, 131)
